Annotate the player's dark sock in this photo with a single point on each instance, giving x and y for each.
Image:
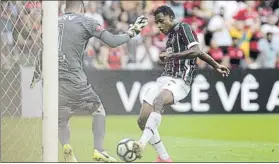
(64, 132)
(99, 124)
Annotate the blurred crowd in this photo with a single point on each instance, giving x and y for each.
(238, 34)
(20, 27)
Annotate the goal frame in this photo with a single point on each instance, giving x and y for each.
(50, 80)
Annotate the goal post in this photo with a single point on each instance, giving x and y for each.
(50, 80)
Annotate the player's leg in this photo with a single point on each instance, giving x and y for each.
(173, 91)
(158, 145)
(64, 115)
(146, 109)
(98, 129)
(64, 134)
(154, 119)
(155, 140)
(63, 125)
(95, 107)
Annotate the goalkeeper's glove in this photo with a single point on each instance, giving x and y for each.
(135, 29)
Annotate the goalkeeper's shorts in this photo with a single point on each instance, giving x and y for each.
(77, 98)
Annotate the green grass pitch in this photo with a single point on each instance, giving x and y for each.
(188, 138)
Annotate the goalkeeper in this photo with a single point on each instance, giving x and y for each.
(74, 92)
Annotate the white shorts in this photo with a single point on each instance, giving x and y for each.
(178, 88)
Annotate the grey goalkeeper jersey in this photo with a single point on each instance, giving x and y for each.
(75, 30)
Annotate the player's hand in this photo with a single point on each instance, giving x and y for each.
(222, 70)
(163, 56)
(140, 23)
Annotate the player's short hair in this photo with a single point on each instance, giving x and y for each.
(74, 4)
(166, 10)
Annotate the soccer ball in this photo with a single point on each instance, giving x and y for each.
(124, 150)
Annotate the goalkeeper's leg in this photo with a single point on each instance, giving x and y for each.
(65, 112)
(82, 97)
(64, 133)
(98, 129)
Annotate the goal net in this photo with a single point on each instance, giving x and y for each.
(21, 102)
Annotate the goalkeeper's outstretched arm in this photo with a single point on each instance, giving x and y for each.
(114, 40)
(117, 40)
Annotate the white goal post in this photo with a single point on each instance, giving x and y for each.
(50, 80)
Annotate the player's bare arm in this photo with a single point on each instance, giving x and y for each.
(195, 52)
(218, 67)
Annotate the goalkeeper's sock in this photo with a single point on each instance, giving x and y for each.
(158, 145)
(152, 124)
(64, 132)
(99, 130)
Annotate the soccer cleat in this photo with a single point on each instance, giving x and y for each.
(69, 153)
(138, 149)
(160, 160)
(102, 156)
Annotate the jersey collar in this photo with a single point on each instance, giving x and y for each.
(173, 27)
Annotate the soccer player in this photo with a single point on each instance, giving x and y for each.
(75, 93)
(182, 51)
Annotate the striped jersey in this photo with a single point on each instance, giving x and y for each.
(180, 38)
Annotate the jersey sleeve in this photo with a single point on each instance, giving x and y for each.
(188, 35)
(93, 27)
